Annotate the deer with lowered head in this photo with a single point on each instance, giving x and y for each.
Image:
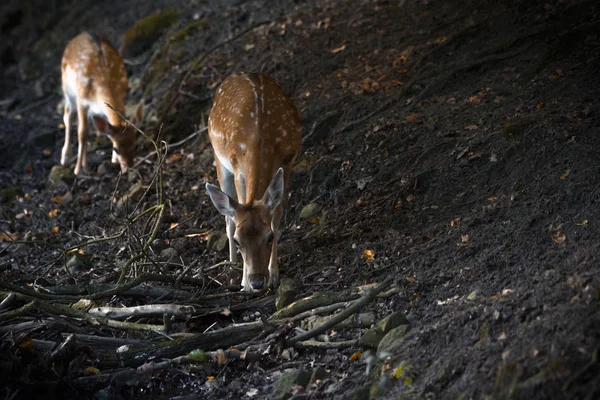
(255, 132)
(93, 75)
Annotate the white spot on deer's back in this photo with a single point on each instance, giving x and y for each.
(242, 146)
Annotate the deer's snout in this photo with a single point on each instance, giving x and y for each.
(257, 281)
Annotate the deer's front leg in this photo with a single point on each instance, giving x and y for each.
(66, 150)
(273, 267)
(82, 138)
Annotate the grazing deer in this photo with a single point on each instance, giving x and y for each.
(255, 132)
(93, 75)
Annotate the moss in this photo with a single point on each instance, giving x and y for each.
(187, 31)
(9, 194)
(144, 32)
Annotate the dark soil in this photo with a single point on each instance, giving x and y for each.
(458, 140)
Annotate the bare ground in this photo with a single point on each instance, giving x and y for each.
(456, 140)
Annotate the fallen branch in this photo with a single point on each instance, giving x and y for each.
(312, 302)
(220, 356)
(59, 309)
(341, 316)
(217, 339)
(144, 311)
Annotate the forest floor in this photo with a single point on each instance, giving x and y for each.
(450, 145)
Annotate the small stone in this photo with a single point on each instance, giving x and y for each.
(374, 336)
(392, 340)
(356, 394)
(67, 198)
(235, 385)
(102, 169)
(286, 293)
(319, 373)
(392, 321)
(168, 253)
(60, 175)
(77, 264)
(309, 210)
(286, 383)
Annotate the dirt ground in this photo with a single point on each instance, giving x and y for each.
(452, 145)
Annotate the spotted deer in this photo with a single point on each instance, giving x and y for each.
(93, 75)
(255, 132)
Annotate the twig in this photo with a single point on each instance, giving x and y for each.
(184, 272)
(170, 146)
(8, 301)
(311, 344)
(341, 316)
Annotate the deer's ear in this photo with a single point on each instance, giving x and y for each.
(223, 203)
(101, 124)
(274, 192)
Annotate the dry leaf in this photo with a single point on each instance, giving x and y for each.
(210, 378)
(314, 221)
(53, 213)
(47, 152)
(173, 225)
(414, 117)
(583, 222)
(9, 236)
(410, 197)
(176, 157)
(540, 105)
(464, 238)
(559, 237)
(455, 221)
(356, 356)
(55, 229)
(410, 279)
(369, 255)
(471, 127)
(57, 199)
(29, 169)
(565, 174)
(338, 49)
(191, 235)
(221, 357)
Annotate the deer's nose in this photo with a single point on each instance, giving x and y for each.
(257, 281)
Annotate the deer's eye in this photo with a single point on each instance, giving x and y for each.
(237, 243)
